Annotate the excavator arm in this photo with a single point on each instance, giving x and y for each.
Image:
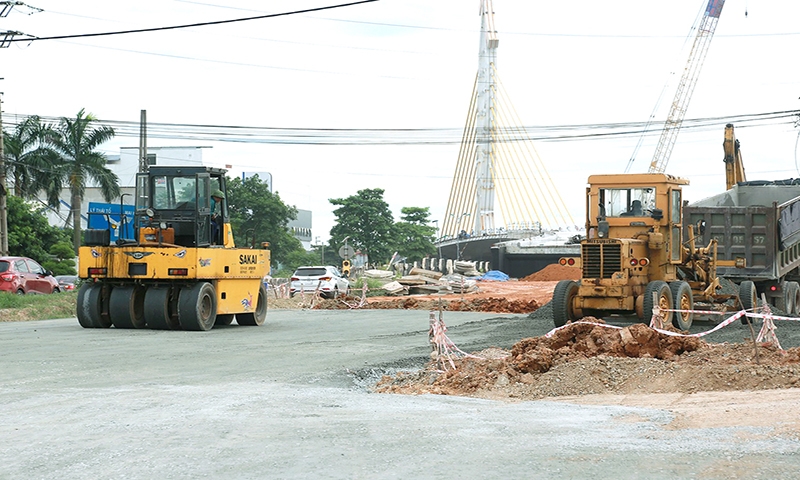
(734, 168)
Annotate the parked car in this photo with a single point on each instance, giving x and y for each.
(22, 275)
(330, 281)
(67, 282)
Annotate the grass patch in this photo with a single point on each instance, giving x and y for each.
(16, 308)
(374, 286)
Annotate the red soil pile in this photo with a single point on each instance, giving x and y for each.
(554, 272)
(583, 340)
(588, 359)
(495, 305)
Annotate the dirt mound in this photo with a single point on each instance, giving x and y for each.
(584, 340)
(588, 359)
(553, 272)
(494, 305)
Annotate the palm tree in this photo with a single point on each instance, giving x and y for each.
(26, 157)
(72, 143)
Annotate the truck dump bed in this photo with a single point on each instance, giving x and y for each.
(757, 222)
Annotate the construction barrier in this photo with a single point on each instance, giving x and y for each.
(766, 334)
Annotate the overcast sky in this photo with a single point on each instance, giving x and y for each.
(411, 64)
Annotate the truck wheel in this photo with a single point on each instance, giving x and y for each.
(663, 298)
(781, 302)
(683, 300)
(126, 307)
(260, 315)
(748, 298)
(790, 294)
(197, 307)
(794, 288)
(90, 306)
(563, 299)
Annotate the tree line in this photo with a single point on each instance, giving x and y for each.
(42, 159)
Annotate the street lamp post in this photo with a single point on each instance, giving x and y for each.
(458, 237)
(438, 240)
(322, 250)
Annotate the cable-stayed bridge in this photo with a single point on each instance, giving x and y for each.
(501, 188)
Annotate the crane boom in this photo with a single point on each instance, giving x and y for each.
(686, 86)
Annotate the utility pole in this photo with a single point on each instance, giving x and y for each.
(5, 41)
(3, 204)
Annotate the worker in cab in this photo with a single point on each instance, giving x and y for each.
(217, 197)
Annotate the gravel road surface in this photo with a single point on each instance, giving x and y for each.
(291, 399)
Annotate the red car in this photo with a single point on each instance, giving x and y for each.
(22, 275)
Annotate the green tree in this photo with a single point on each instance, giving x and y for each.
(61, 259)
(29, 235)
(72, 145)
(412, 236)
(257, 213)
(367, 220)
(297, 258)
(25, 157)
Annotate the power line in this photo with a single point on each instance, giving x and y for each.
(240, 64)
(201, 24)
(416, 136)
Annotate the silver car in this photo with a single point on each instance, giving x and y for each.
(327, 279)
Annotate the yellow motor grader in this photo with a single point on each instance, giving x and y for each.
(635, 258)
(182, 270)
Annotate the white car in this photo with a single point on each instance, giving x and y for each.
(330, 282)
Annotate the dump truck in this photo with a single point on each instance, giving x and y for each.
(634, 258)
(182, 269)
(757, 226)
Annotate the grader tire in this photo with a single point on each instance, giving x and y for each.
(663, 300)
(257, 317)
(563, 297)
(683, 300)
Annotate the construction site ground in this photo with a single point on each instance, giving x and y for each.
(302, 396)
(591, 364)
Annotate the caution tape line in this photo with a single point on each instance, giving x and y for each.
(774, 317)
(579, 322)
(721, 325)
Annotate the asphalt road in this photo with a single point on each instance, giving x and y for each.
(290, 399)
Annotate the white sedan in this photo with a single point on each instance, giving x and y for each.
(326, 279)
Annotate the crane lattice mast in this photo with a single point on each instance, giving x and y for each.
(686, 86)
